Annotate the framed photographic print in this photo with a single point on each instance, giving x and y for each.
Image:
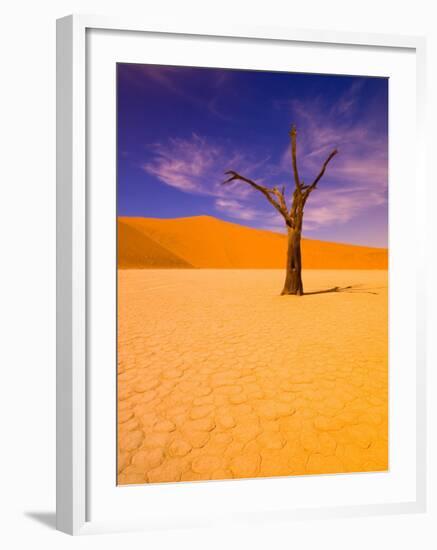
(240, 278)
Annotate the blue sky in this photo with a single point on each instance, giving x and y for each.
(181, 128)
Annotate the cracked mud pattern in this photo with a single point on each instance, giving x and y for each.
(219, 377)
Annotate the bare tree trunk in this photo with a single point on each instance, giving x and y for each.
(293, 278)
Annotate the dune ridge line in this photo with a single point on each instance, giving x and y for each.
(208, 242)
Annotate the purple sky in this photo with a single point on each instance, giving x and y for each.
(180, 128)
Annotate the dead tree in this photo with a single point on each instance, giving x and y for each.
(293, 216)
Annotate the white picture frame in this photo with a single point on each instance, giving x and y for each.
(74, 461)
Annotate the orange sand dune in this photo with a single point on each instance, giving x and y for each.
(138, 250)
(207, 242)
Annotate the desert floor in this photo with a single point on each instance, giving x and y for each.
(220, 377)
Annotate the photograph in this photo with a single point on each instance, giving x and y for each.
(252, 274)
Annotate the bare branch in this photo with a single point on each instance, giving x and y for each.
(280, 196)
(322, 171)
(292, 134)
(268, 193)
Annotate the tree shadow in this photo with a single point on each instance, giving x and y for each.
(351, 289)
(45, 518)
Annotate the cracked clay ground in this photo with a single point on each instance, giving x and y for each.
(220, 377)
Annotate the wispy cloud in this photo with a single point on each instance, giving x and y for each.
(172, 81)
(239, 210)
(355, 181)
(340, 205)
(196, 165)
(184, 164)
